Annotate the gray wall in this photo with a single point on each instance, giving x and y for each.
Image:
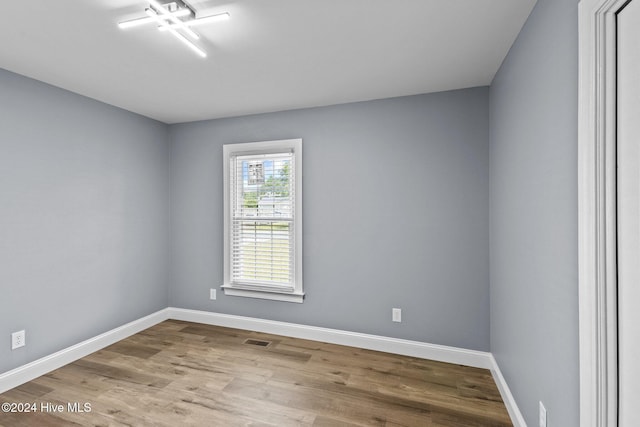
(534, 241)
(395, 215)
(84, 213)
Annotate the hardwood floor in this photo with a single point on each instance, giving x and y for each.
(181, 373)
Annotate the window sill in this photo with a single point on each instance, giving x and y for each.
(274, 296)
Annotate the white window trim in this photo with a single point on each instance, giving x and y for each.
(265, 147)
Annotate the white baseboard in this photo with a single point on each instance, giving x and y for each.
(30, 371)
(478, 359)
(512, 407)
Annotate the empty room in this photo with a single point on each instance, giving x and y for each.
(335, 213)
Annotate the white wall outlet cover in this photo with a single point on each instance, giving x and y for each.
(212, 294)
(18, 340)
(396, 315)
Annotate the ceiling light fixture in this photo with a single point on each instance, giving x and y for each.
(176, 17)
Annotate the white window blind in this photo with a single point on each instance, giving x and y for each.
(262, 217)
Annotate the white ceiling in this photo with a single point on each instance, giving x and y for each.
(271, 55)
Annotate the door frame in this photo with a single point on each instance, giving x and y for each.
(597, 213)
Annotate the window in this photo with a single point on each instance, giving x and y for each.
(263, 220)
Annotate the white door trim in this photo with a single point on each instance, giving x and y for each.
(597, 212)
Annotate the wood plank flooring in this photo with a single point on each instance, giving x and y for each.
(181, 373)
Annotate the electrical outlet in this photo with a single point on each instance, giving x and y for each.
(543, 415)
(17, 339)
(212, 294)
(396, 314)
